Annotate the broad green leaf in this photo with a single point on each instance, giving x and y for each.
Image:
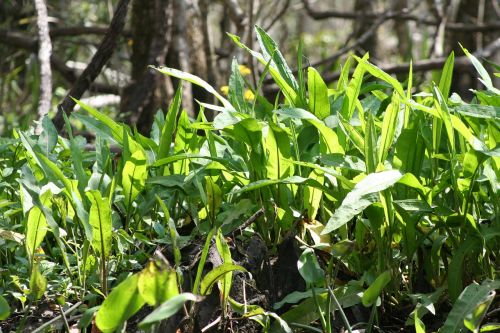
(370, 140)
(319, 104)
(4, 308)
(456, 267)
(36, 226)
(313, 195)
(116, 129)
(329, 140)
(214, 198)
(268, 182)
(470, 307)
(237, 88)
(168, 309)
(121, 304)
(278, 152)
(168, 129)
(48, 138)
(38, 283)
(477, 111)
(288, 90)
(134, 176)
(100, 220)
(377, 72)
(270, 51)
(225, 253)
(157, 284)
(388, 132)
(298, 296)
(361, 197)
(485, 78)
(215, 275)
(306, 312)
(309, 268)
(197, 81)
(375, 289)
(446, 76)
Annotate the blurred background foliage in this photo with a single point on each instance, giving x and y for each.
(190, 35)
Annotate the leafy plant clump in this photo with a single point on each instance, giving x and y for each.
(385, 202)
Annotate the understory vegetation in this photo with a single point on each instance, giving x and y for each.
(362, 205)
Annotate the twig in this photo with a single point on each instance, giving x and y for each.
(212, 324)
(95, 66)
(251, 219)
(42, 327)
(44, 52)
(278, 15)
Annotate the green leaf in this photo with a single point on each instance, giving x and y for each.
(225, 253)
(270, 51)
(287, 90)
(157, 284)
(134, 176)
(195, 80)
(36, 226)
(375, 289)
(446, 76)
(121, 304)
(313, 195)
(470, 307)
(237, 88)
(116, 129)
(477, 111)
(38, 283)
(329, 140)
(168, 129)
(48, 138)
(214, 198)
(389, 125)
(268, 182)
(278, 152)
(100, 220)
(319, 104)
(215, 275)
(168, 309)
(309, 268)
(4, 308)
(377, 72)
(361, 197)
(483, 73)
(455, 270)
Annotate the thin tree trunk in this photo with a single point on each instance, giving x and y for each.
(44, 53)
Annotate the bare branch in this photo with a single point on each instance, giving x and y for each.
(430, 64)
(44, 52)
(19, 40)
(81, 30)
(419, 66)
(95, 66)
(317, 15)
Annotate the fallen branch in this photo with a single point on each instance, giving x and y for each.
(95, 66)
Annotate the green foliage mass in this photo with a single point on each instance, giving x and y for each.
(397, 187)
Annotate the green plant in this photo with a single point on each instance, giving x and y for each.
(397, 190)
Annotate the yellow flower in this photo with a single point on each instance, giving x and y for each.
(248, 95)
(244, 70)
(224, 90)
